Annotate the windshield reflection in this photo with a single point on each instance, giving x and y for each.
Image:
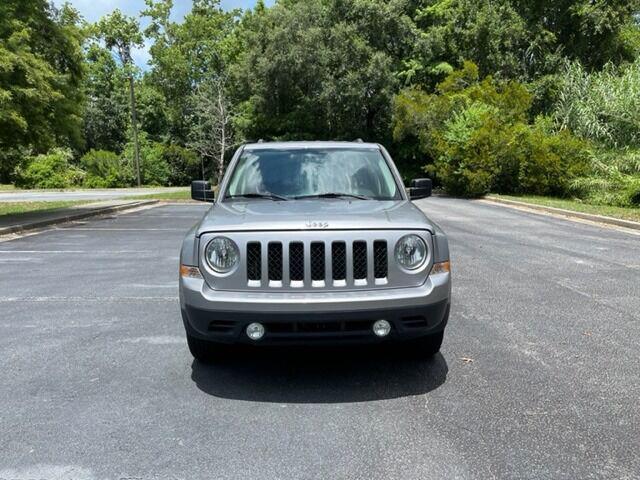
(328, 173)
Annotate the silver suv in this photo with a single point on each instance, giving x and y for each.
(313, 242)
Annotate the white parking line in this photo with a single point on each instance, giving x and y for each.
(172, 298)
(118, 252)
(96, 229)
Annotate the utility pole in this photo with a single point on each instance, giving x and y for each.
(134, 125)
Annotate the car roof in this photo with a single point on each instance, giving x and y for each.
(309, 144)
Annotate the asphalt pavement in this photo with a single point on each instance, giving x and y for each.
(36, 219)
(539, 375)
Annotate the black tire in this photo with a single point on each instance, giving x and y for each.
(428, 346)
(205, 351)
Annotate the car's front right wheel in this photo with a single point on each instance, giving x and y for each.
(205, 351)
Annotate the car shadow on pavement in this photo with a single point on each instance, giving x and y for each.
(320, 375)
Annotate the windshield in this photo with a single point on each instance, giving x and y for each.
(310, 172)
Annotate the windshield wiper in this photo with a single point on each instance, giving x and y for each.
(271, 196)
(333, 195)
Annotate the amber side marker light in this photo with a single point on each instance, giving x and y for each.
(442, 267)
(188, 271)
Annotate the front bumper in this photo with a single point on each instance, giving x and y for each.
(303, 318)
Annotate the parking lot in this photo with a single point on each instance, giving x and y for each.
(539, 375)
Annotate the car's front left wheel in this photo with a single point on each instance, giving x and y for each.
(428, 346)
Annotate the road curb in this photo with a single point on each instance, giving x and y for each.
(70, 217)
(567, 213)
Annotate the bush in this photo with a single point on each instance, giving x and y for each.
(549, 162)
(10, 159)
(614, 180)
(477, 136)
(466, 151)
(105, 170)
(602, 106)
(51, 170)
(184, 165)
(167, 165)
(154, 169)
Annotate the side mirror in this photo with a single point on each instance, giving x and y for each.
(420, 188)
(201, 191)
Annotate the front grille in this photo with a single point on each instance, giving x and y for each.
(318, 263)
(339, 260)
(380, 259)
(275, 261)
(296, 261)
(360, 260)
(254, 261)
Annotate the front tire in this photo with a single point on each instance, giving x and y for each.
(429, 345)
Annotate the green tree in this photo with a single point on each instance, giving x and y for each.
(520, 39)
(183, 54)
(491, 34)
(122, 34)
(593, 32)
(105, 115)
(319, 69)
(40, 74)
(153, 114)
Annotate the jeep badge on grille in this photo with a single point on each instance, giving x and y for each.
(314, 224)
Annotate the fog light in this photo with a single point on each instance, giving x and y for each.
(255, 331)
(381, 328)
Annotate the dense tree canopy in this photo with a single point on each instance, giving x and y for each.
(106, 113)
(41, 69)
(391, 71)
(185, 53)
(319, 69)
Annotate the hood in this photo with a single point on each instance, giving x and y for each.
(316, 214)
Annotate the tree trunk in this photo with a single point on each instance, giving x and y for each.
(223, 148)
(134, 124)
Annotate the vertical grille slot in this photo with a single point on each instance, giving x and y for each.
(296, 261)
(317, 261)
(254, 261)
(339, 260)
(275, 261)
(359, 260)
(380, 259)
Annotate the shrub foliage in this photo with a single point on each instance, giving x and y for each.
(475, 137)
(105, 169)
(51, 170)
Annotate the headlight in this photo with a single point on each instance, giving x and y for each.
(222, 254)
(411, 251)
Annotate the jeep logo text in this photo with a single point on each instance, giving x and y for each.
(313, 224)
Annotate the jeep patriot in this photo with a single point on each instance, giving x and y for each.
(310, 243)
